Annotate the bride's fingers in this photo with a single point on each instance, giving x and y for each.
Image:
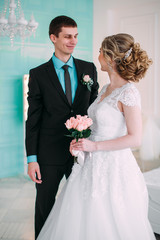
(73, 141)
(80, 141)
(78, 146)
(75, 145)
(71, 149)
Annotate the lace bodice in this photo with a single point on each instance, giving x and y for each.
(108, 121)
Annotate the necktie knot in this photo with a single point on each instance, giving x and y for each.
(65, 67)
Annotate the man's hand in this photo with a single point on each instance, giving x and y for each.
(33, 170)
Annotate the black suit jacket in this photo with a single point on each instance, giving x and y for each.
(49, 110)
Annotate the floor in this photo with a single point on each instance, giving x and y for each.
(17, 196)
(16, 208)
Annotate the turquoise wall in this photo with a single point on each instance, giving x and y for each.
(16, 61)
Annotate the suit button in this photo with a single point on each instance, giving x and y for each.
(71, 110)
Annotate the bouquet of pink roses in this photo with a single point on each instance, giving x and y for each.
(79, 126)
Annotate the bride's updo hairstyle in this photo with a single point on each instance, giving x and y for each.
(131, 61)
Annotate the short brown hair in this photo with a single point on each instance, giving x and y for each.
(61, 21)
(131, 61)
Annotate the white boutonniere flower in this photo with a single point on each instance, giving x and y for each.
(86, 80)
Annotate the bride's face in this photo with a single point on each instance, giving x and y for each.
(103, 61)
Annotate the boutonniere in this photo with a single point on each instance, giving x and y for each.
(86, 80)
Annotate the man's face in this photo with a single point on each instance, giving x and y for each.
(66, 41)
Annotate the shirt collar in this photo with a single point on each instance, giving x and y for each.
(58, 63)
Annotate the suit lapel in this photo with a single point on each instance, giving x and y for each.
(79, 76)
(55, 81)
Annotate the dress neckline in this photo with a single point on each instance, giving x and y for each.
(115, 90)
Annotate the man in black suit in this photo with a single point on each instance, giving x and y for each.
(55, 94)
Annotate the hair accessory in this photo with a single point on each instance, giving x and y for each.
(128, 53)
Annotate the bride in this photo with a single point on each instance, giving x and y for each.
(106, 197)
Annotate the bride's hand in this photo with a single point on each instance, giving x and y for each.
(83, 145)
(71, 146)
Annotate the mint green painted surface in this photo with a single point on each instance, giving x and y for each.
(16, 61)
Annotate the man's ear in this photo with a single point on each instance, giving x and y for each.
(53, 38)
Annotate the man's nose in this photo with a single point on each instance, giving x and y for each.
(73, 40)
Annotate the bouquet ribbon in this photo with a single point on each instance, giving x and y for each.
(80, 156)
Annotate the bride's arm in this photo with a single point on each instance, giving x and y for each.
(134, 131)
(132, 139)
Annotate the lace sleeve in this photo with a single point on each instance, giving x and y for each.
(131, 97)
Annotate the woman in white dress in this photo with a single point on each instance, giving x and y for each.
(106, 197)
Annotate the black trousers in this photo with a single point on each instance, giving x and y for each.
(46, 191)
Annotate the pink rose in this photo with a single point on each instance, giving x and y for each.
(75, 123)
(85, 126)
(78, 116)
(80, 122)
(86, 78)
(89, 122)
(68, 124)
(72, 120)
(80, 127)
(84, 117)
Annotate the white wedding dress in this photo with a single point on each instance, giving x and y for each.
(106, 197)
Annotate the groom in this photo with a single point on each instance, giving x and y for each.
(56, 93)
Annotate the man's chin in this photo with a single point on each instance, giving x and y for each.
(69, 53)
(70, 50)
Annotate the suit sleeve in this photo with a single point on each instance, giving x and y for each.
(95, 86)
(33, 122)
